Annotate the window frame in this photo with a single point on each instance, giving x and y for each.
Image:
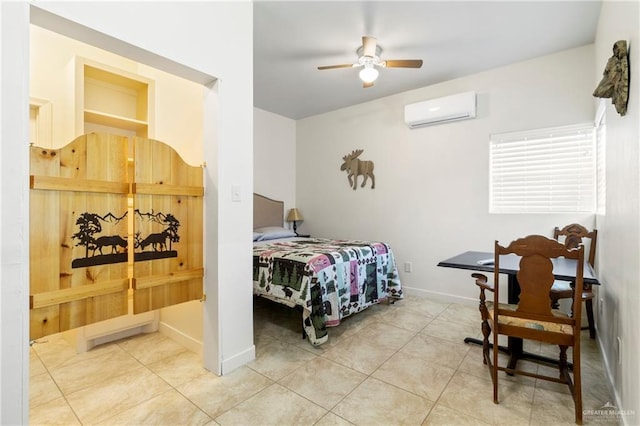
(537, 172)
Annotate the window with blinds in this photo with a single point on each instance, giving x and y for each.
(543, 171)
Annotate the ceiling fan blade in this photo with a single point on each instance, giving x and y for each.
(403, 63)
(368, 46)
(365, 85)
(330, 67)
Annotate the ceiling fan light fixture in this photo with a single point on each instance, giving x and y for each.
(368, 74)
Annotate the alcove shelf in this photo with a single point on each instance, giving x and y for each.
(113, 100)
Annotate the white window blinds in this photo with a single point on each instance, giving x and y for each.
(543, 171)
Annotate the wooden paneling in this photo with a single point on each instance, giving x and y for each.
(168, 201)
(102, 223)
(57, 213)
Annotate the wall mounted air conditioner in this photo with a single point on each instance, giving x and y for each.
(441, 110)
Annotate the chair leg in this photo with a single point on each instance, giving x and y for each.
(486, 329)
(554, 302)
(494, 369)
(577, 387)
(592, 326)
(562, 363)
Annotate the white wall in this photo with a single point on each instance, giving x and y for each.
(619, 228)
(14, 214)
(178, 102)
(274, 152)
(188, 35)
(431, 196)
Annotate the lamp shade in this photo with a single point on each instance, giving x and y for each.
(294, 215)
(368, 74)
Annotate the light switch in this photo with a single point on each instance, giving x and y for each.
(235, 193)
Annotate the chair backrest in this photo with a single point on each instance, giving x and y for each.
(574, 235)
(535, 277)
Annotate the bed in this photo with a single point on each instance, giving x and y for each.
(329, 279)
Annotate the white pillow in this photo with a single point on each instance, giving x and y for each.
(273, 232)
(256, 236)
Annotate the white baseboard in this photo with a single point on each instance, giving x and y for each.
(238, 360)
(440, 297)
(617, 401)
(178, 336)
(116, 328)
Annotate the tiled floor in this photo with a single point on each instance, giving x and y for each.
(389, 365)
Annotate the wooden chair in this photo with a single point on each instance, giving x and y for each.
(533, 318)
(574, 235)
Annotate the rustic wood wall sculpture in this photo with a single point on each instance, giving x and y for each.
(356, 167)
(107, 219)
(615, 79)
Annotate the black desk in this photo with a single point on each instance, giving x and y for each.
(563, 269)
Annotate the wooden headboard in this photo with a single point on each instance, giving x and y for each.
(267, 212)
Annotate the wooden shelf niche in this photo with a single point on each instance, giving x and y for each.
(112, 100)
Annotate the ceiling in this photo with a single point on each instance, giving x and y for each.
(453, 38)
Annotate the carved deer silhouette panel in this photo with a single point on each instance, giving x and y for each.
(356, 167)
(103, 222)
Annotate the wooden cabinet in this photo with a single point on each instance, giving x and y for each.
(112, 100)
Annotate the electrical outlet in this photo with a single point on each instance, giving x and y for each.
(601, 308)
(408, 267)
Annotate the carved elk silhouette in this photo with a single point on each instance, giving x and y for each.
(157, 241)
(355, 167)
(113, 241)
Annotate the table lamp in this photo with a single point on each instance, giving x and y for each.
(294, 216)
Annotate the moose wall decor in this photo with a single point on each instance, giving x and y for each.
(355, 167)
(615, 78)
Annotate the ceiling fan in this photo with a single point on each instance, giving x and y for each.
(369, 59)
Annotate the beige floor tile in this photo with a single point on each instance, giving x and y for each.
(408, 362)
(72, 377)
(473, 365)
(551, 407)
(414, 375)
(151, 347)
(275, 405)
(56, 352)
(316, 350)
(55, 412)
(461, 314)
(422, 305)
(331, 419)
(441, 415)
(353, 324)
(277, 359)
(436, 351)
(386, 336)
(360, 354)
(180, 368)
(35, 365)
(215, 395)
(279, 328)
(168, 408)
(323, 382)
(42, 389)
(377, 403)
(403, 318)
(595, 391)
(474, 397)
(452, 331)
(112, 396)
